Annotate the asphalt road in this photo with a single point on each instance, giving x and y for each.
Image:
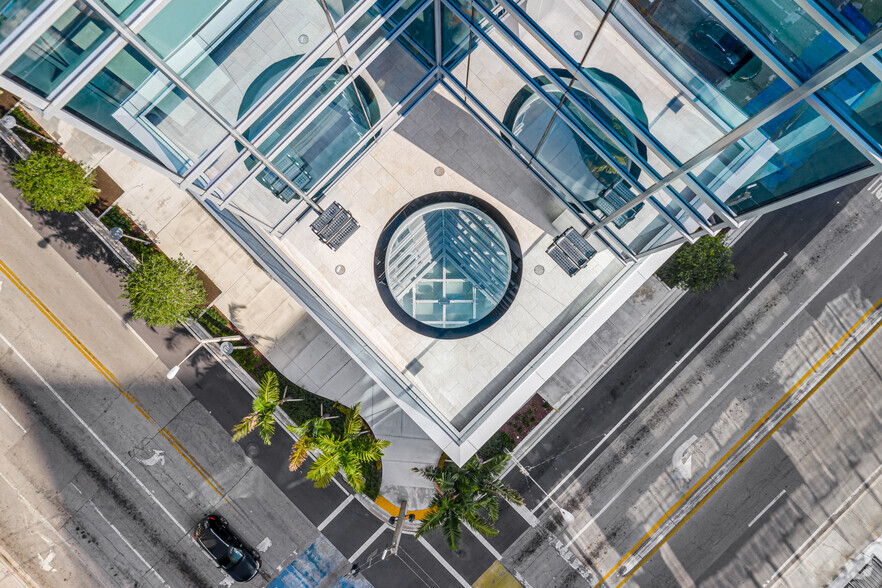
(659, 349)
(629, 483)
(225, 402)
(756, 521)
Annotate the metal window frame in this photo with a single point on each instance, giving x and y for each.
(548, 179)
(577, 128)
(339, 89)
(385, 125)
(314, 113)
(33, 27)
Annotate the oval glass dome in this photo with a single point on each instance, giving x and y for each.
(448, 265)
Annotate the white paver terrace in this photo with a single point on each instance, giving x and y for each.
(457, 376)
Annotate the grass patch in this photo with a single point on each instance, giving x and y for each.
(373, 478)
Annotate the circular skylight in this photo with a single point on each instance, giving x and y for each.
(448, 265)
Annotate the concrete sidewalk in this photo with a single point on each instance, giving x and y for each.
(260, 308)
(91, 407)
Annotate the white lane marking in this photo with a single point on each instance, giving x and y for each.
(659, 383)
(16, 211)
(768, 506)
(485, 543)
(683, 467)
(725, 385)
(74, 486)
(227, 581)
(337, 511)
(158, 457)
(264, 545)
(368, 543)
(96, 437)
(444, 563)
(838, 512)
(13, 419)
(42, 519)
(135, 333)
(46, 562)
(126, 541)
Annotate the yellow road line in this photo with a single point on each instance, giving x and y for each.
(392, 509)
(110, 377)
(90, 357)
(765, 438)
(740, 442)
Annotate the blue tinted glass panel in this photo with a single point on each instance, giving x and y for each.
(59, 50)
(704, 55)
(122, 8)
(292, 120)
(326, 139)
(421, 32)
(795, 36)
(139, 106)
(857, 95)
(176, 22)
(799, 150)
(861, 17)
(233, 55)
(13, 13)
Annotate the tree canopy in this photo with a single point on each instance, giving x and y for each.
(468, 494)
(699, 266)
(349, 452)
(49, 181)
(163, 291)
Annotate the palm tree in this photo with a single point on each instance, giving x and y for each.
(263, 408)
(468, 494)
(348, 452)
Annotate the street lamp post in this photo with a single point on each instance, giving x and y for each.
(567, 515)
(225, 346)
(117, 234)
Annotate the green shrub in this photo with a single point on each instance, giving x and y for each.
(35, 143)
(699, 266)
(373, 478)
(496, 445)
(48, 181)
(163, 291)
(114, 217)
(215, 323)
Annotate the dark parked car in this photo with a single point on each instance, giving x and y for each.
(724, 50)
(229, 552)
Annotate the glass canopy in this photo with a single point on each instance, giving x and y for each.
(448, 265)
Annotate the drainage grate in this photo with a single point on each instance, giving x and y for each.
(570, 251)
(334, 226)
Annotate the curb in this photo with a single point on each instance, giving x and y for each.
(608, 362)
(382, 508)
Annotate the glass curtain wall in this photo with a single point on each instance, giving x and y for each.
(558, 123)
(662, 81)
(60, 49)
(797, 150)
(13, 13)
(331, 114)
(232, 54)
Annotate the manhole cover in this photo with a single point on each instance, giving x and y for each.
(539, 270)
(303, 39)
(578, 35)
(340, 270)
(439, 171)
